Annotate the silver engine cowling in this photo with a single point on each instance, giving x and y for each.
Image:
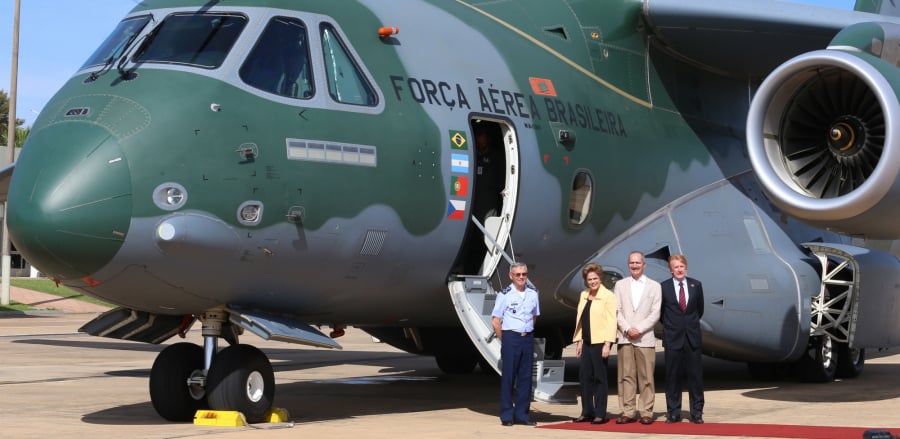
(822, 136)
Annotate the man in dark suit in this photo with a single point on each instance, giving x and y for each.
(682, 308)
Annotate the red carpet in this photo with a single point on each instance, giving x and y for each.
(713, 429)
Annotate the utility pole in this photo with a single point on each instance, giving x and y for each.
(11, 155)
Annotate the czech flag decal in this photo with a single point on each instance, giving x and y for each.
(456, 209)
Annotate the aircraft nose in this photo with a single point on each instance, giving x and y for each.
(70, 200)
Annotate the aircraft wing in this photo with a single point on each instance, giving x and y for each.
(746, 38)
(6, 173)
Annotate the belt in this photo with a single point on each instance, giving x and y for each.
(523, 334)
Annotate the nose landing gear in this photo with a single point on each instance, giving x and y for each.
(186, 377)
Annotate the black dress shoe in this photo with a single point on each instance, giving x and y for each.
(646, 420)
(507, 423)
(598, 421)
(529, 423)
(625, 420)
(581, 419)
(673, 419)
(697, 419)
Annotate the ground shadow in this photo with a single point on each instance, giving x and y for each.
(410, 383)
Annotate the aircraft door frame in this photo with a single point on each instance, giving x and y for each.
(509, 196)
(494, 194)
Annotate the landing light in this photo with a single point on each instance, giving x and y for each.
(250, 213)
(174, 195)
(170, 196)
(165, 231)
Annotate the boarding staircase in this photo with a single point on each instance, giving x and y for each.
(473, 298)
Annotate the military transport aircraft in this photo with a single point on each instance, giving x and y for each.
(287, 167)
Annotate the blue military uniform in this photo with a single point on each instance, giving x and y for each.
(517, 312)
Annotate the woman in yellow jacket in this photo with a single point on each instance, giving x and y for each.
(595, 333)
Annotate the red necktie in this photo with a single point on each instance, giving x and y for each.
(681, 302)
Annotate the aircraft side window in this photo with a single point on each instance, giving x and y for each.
(201, 40)
(346, 82)
(116, 43)
(580, 201)
(280, 61)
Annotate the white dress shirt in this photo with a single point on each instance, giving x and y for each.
(637, 289)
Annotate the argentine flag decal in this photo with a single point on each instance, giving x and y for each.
(459, 163)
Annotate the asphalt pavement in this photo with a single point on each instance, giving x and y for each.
(55, 382)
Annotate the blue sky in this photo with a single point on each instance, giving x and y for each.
(57, 36)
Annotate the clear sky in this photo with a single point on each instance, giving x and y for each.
(57, 36)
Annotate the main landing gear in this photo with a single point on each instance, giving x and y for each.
(828, 354)
(186, 377)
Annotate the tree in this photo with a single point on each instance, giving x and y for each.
(4, 120)
(21, 134)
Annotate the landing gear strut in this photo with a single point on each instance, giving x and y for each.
(186, 378)
(828, 353)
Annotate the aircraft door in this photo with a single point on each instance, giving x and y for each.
(493, 201)
(494, 191)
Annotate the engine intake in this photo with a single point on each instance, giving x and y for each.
(822, 135)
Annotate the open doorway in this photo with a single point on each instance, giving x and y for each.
(486, 241)
(493, 197)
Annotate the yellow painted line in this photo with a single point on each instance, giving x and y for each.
(562, 58)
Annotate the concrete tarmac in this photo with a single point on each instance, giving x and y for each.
(56, 383)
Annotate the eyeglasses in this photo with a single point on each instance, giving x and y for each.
(520, 274)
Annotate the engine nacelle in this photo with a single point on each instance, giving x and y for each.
(823, 134)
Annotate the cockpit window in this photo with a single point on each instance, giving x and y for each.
(346, 82)
(201, 40)
(117, 41)
(280, 61)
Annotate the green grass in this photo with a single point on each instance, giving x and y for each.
(49, 286)
(16, 306)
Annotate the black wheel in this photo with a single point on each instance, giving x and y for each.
(850, 361)
(170, 394)
(241, 379)
(554, 343)
(486, 367)
(766, 371)
(819, 362)
(456, 364)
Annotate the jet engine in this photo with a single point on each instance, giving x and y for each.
(823, 134)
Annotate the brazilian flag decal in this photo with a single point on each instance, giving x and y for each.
(458, 140)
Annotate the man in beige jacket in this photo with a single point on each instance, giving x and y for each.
(640, 299)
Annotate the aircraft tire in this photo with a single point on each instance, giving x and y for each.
(554, 343)
(486, 367)
(171, 397)
(850, 361)
(241, 378)
(766, 371)
(456, 364)
(819, 362)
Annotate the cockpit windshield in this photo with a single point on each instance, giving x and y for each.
(201, 40)
(118, 41)
(279, 63)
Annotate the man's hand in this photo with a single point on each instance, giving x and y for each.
(633, 334)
